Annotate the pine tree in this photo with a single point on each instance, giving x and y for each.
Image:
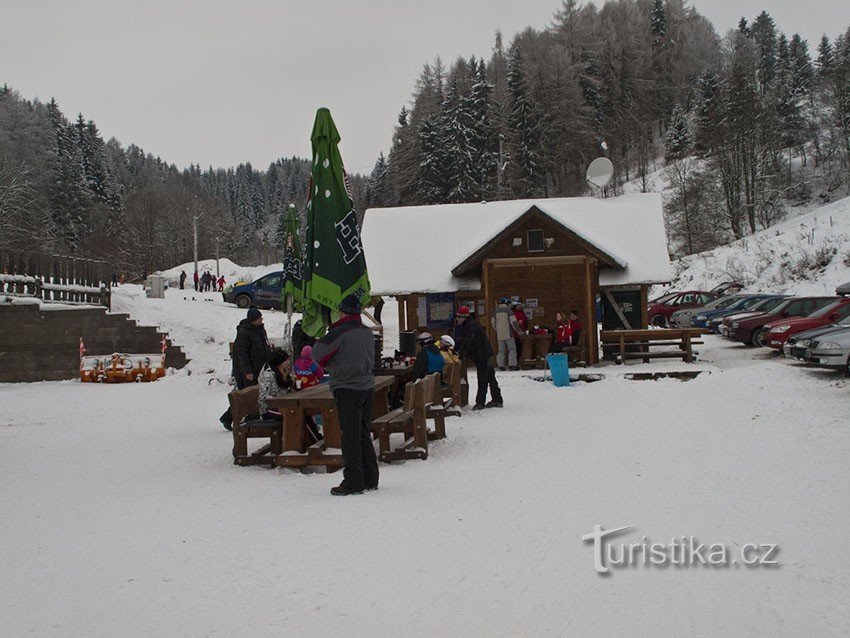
(377, 184)
(524, 120)
(458, 133)
(763, 32)
(485, 137)
(432, 184)
(802, 72)
(658, 23)
(677, 142)
(826, 59)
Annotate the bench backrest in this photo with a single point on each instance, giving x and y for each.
(434, 390)
(244, 402)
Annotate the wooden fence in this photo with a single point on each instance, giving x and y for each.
(55, 279)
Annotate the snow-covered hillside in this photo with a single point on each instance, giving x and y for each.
(231, 271)
(807, 254)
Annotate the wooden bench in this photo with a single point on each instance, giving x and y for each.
(409, 420)
(441, 406)
(635, 344)
(453, 385)
(248, 425)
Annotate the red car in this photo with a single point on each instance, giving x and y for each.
(659, 311)
(779, 331)
(752, 329)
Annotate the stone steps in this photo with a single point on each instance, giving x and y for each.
(37, 345)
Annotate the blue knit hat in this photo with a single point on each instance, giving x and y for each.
(350, 305)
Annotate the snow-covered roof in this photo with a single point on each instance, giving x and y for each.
(414, 248)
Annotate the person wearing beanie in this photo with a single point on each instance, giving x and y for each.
(251, 351)
(347, 351)
(476, 346)
(505, 324)
(429, 359)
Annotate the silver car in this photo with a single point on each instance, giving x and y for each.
(830, 351)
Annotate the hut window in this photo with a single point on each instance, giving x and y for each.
(535, 241)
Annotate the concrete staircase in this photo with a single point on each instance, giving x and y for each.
(44, 345)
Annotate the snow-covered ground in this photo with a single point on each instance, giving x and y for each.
(124, 516)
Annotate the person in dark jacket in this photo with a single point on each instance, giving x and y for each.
(476, 346)
(182, 278)
(429, 359)
(251, 351)
(347, 352)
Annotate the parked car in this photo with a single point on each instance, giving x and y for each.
(796, 345)
(684, 318)
(659, 312)
(737, 303)
(727, 288)
(779, 331)
(830, 351)
(262, 293)
(723, 325)
(752, 329)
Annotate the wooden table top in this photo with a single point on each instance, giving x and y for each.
(319, 393)
(650, 333)
(397, 371)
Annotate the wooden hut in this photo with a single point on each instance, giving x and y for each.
(555, 254)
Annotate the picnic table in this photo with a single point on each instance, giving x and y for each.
(401, 374)
(635, 344)
(294, 406)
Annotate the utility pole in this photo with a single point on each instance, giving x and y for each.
(217, 269)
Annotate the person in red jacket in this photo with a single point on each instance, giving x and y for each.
(575, 328)
(563, 334)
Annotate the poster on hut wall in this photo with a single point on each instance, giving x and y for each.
(421, 312)
(440, 309)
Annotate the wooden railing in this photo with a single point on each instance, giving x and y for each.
(55, 279)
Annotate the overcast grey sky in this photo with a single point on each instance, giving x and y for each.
(223, 82)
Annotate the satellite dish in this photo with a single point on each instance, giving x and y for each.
(600, 172)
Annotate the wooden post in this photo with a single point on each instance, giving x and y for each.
(689, 354)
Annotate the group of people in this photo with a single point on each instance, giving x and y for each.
(567, 332)
(205, 282)
(347, 352)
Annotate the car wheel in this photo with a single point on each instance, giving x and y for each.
(243, 301)
(660, 321)
(759, 337)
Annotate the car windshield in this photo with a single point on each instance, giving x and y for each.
(823, 312)
(767, 304)
(664, 298)
(724, 302)
(751, 302)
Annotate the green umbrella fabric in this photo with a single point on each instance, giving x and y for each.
(292, 263)
(334, 263)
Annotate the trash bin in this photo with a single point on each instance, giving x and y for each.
(560, 369)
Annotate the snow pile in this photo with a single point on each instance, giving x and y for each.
(808, 254)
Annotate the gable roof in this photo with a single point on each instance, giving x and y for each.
(474, 260)
(415, 248)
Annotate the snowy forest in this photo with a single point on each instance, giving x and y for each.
(741, 126)
(736, 123)
(63, 190)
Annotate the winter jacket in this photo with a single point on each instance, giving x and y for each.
(563, 333)
(250, 351)
(575, 332)
(348, 353)
(307, 372)
(505, 323)
(267, 380)
(428, 361)
(450, 356)
(521, 320)
(475, 344)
